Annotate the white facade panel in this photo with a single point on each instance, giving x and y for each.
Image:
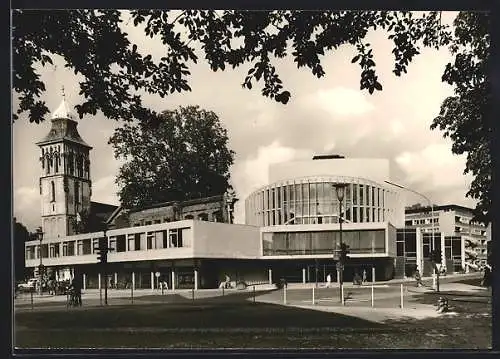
(220, 240)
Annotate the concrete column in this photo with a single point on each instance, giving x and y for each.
(196, 279)
(84, 281)
(270, 276)
(116, 280)
(133, 280)
(152, 280)
(462, 253)
(420, 264)
(99, 280)
(173, 279)
(303, 275)
(443, 251)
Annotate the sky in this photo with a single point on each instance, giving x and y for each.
(327, 115)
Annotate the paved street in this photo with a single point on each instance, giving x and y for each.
(242, 319)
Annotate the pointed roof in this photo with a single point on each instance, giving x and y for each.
(62, 111)
(64, 128)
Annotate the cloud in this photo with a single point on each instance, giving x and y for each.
(341, 102)
(437, 173)
(27, 206)
(105, 190)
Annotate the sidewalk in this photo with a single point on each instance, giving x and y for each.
(382, 283)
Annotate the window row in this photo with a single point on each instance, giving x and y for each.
(415, 222)
(300, 216)
(174, 238)
(317, 199)
(75, 164)
(323, 242)
(320, 192)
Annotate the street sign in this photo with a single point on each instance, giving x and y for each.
(157, 274)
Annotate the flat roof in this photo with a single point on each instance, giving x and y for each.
(437, 208)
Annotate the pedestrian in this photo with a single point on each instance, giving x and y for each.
(418, 278)
(364, 276)
(77, 290)
(328, 280)
(227, 282)
(357, 279)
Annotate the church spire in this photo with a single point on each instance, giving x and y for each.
(63, 109)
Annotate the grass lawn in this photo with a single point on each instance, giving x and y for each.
(216, 323)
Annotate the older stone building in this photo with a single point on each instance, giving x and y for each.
(212, 209)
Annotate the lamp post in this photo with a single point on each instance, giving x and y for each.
(230, 199)
(340, 192)
(105, 269)
(432, 216)
(39, 235)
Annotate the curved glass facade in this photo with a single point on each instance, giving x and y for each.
(312, 200)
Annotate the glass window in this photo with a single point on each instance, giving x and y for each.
(120, 243)
(355, 214)
(355, 194)
(277, 196)
(456, 246)
(273, 198)
(305, 199)
(400, 246)
(361, 194)
(368, 200)
(53, 191)
(361, 214)
(379, 241)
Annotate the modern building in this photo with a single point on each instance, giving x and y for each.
(455, 225)
(294, 225)
(299, 217)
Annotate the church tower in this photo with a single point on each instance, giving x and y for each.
(65, 186)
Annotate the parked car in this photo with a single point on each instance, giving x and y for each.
(28, 285)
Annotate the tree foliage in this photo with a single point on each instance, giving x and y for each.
(465, 117)
(181, 155)
(20, 236)
(93, 43)
(88, 222)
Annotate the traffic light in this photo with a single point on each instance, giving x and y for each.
(102, 256)
(344, 251)
(102, 251)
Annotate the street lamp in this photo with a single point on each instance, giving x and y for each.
(39, 235)
(432, 215)
(340, 192)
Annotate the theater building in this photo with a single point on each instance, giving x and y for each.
(299, 217)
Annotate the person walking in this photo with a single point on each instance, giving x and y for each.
(364, 276)
(418, 278)
(77, 290)
(328, 280)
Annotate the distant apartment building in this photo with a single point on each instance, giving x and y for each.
(454, 223)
